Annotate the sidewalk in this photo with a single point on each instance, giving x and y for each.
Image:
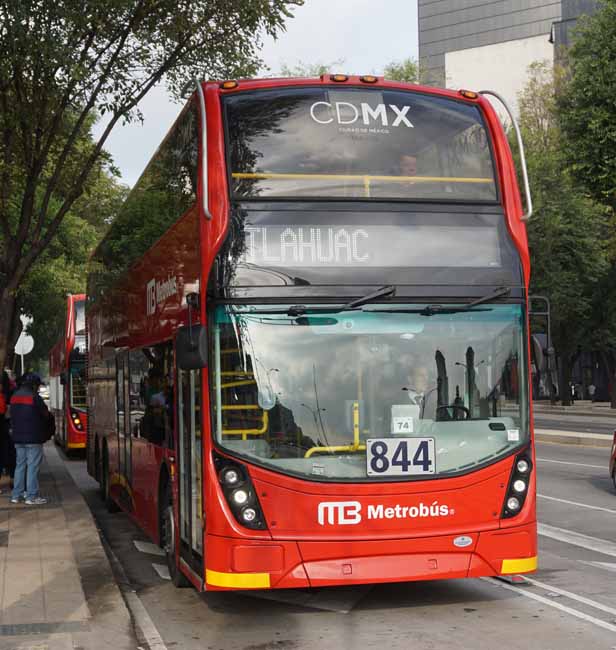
(573, 438)
(580, 407)
(57, 590)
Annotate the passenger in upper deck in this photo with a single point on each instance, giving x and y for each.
(407, 165)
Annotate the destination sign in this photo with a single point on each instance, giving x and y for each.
(376, 246)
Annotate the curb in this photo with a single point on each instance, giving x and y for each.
(574, 438)
(111, 624)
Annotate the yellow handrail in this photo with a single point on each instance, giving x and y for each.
(243, 382)
(246, 432)
(356, 446)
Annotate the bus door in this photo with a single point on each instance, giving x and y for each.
(124, 434)
(190, 488)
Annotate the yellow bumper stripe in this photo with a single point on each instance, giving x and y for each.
(76, 445)
(524, 565)
(237, 580)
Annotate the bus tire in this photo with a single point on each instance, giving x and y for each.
(110, 504)
(167, 540)
(97, 462)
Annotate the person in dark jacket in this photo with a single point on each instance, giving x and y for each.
(30, 426)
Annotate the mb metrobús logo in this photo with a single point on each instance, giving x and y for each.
(350, 512)
(158, 291)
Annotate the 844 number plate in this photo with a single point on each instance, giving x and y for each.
(400, 456)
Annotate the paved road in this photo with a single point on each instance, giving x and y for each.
(570, 603)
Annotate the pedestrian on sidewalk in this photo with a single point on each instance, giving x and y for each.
(5, 395)
(30, 420)
(591, 392)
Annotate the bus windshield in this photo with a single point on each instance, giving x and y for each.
(301, 393)
(78, 384)
(80, 317)
(368, 143)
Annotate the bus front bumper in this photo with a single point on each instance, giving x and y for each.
(248, 564)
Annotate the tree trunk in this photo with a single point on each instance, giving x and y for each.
(610, 366)
(7, 316)
(565, 379)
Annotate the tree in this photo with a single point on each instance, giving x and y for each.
(63, 64)
(586, 105)
(62, 267)
(302, 69)
(568, 234)
(405, 70)
(587, 113)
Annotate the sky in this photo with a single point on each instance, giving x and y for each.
(366, 34)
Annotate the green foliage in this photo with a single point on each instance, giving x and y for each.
(568, 232)
(302, 69)
(61, 269)
(406, 70)
(65, 64)
(588, 105)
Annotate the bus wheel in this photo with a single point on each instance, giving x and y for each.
(110, 504)
(168, 540)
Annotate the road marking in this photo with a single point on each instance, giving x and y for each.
(566, 462)
(576, 503)
(608, 566)
(143, 621)
(162, 570)
(577, 539)
(569, 594)
(550, 603)
(149, 548)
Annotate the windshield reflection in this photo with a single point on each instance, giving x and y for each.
(303, 394)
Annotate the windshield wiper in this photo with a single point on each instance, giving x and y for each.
(430, 310)
(388, 290)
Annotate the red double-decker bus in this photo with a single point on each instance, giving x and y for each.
(67, 378)
(308, 339)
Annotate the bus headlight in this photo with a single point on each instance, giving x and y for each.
(513, 504)
(77, 423)
(518, 485)
(249, 514)
(240, 497)
(239, 492)
(230, 476)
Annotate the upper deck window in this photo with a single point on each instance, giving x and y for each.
(357, 143)
(80, 317)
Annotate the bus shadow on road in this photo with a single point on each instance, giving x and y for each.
(343, 600)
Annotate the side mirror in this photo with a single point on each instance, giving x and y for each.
(191, 347)
(63, 378)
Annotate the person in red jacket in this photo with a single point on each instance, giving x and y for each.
(29, 430)
(6, 463)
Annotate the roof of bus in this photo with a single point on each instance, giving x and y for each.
(327, 79)
(354, 81)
